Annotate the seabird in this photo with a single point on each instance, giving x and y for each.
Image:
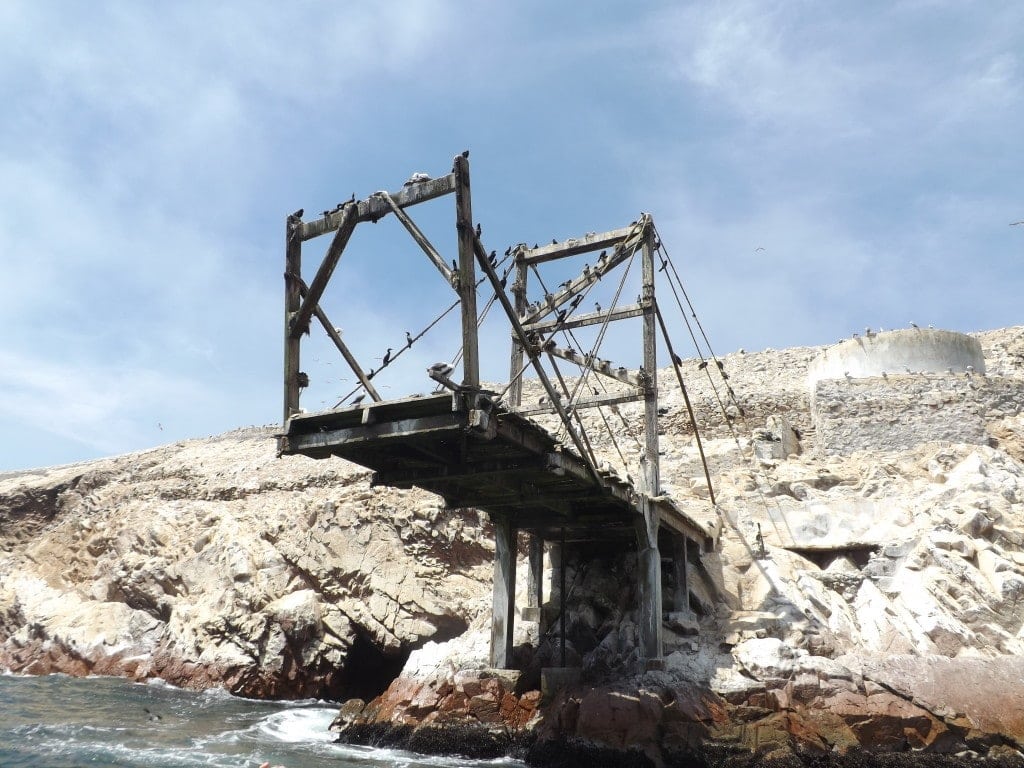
(621, 370)
(1016, 223)
(358, 399)
(702, 365)
(664, 265)
(493, 258)
(479, 229)
(554, 241)
(408, 339)
(387, 356)
(913, 324)
(455, 265)
(465, 155)
(759, 248)
(576, 301)
(416, 178)
(298, 213)
(565, 284)
(597, 306)
(441, 369)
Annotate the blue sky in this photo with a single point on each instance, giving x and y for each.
(150, 152)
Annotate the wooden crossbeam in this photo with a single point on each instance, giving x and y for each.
(587, 277)
(483, 470)
(597, 365)
(386, 430)
(373, 208)
(300, 321)
(420, 238)
(584, 402)
(576, 245)
(591, 318)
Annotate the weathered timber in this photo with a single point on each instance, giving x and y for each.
(300, 322)
(583, 402)
(647, 527)
(574, 246)
(516, 367)
(597, 365)
(681, 568)
(436, 443)
(503, 607)
(590, 318)
(346, 353)
(421, 239)
(485, 265)
(292, 302)
(374, 208)
(467, 273)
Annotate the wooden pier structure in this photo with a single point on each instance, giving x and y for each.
(480, 449)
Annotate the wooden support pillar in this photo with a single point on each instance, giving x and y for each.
(648, 556)
(292, 303)
(503, 607)
(535, 585)
(680, 567)
(515, 375)
(649, 572)
(467, 273)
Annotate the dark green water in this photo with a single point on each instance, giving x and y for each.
(62, 722)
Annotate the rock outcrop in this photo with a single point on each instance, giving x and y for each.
(869, 597)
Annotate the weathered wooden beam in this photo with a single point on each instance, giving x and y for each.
(515, 375)
(467, 273)
(374, 208)
(485, 265)
(680, 569)
(346, 353)
(578, 285)
(535, 574)
(385, 430)
(483, 469)
(649, 558)
(503, 604)
(576, 245)
(421, 239)
(590, 318)
(584, 402)
(292, 302)
(597, 365)
(300, 322)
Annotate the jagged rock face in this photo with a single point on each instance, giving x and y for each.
(212, 562)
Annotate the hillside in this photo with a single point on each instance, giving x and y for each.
(890, 590)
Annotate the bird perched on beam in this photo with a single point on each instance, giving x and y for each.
(417, 178)
(387, 356)
(441, 369)
(357, 399)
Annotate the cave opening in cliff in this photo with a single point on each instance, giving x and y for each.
(368, 670)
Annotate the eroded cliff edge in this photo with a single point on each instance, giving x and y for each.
(886, 612)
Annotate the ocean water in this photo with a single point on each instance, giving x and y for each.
(62, 722)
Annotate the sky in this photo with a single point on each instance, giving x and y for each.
(812, 168)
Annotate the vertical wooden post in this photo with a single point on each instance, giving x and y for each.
(504, 595)
(648, 556)
(535, 584)
(515, 375)
(680, 566)
(292, 303)
(467, 273)
(563, 608)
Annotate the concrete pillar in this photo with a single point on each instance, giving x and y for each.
(503, 608)
(680, 566)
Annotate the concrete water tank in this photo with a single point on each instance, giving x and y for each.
(915, 350)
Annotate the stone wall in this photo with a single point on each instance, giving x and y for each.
(896, 412)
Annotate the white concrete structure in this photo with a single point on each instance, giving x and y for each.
(915, 350)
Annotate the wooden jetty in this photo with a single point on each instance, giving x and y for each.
(477, 450)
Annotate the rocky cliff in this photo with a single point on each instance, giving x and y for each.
(867, 590)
